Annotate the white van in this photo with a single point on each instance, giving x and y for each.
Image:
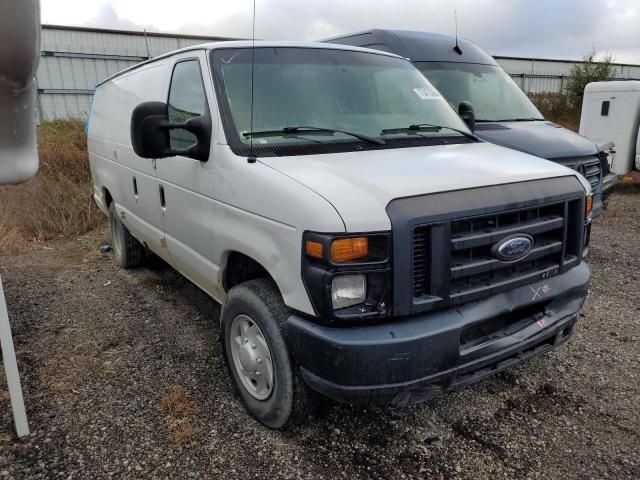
(365, 245)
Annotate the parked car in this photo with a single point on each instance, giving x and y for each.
(491, 103)
(364, 244)
(611, 111)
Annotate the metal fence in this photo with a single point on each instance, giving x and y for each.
(545, 83)
(74, 59)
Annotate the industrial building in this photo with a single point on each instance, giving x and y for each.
(74, 59)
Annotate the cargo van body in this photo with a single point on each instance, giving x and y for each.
(504, 115)
(365, 246)
(611, 112)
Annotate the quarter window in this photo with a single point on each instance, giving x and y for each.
(186, 100)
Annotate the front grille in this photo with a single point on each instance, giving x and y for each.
(471, 271)
(421, 260)
(591, 169)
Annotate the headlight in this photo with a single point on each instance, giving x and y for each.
(347, 276)
(348, 290)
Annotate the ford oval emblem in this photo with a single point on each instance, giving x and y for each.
(513, 248)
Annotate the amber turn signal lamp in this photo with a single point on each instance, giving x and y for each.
(314, 249)
(347, 249)
(589, 205)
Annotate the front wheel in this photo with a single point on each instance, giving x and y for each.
(253, 330)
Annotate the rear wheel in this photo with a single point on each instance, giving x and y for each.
(253, 340)
(128, 251)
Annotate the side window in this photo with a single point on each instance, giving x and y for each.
(186, 100)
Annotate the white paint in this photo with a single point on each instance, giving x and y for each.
(621, 125)
(11, 370)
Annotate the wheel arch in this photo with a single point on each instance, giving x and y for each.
(240, 267)
(108, 198)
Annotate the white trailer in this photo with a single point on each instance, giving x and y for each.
(611, 112)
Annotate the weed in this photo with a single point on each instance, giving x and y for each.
(57, 202)
(182, 414)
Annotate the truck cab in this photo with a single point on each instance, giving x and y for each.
(364, 244)
(483, 93)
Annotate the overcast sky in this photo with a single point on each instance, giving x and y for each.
(541, 28)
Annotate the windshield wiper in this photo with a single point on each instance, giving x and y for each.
(425, 127)
(310, 130)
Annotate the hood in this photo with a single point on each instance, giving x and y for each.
(540, 138)
(361, 184)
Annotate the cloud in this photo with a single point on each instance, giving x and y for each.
(544, 28)
(107, 17)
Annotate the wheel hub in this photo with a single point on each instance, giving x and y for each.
(251, 357)
(116, 238)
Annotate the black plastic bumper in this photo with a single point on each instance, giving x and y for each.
(410, 359)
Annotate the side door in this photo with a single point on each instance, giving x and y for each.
(185, 184)
(130, 179)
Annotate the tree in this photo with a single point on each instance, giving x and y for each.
(589, 70)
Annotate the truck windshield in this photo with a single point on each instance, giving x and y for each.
(317, 95)
(494, 95)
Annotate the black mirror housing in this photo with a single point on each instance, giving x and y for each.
(465, 110)
(150, 128)
(201, 128)
(149, 132)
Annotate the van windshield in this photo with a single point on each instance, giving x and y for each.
(320, 96)
(493, 93)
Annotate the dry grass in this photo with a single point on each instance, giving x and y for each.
(559, 108)
(182, 415)
(57, 202)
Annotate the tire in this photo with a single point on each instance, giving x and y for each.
(127, 251)
(289, 401)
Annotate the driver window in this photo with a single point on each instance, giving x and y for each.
(186, 100)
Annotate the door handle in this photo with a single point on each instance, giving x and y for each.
(163, 203)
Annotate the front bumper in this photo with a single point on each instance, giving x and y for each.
(409, 360)
(608, 182)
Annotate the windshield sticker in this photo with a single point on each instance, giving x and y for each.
(427, 93)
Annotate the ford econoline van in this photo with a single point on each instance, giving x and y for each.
(493, 105)
(364, 244)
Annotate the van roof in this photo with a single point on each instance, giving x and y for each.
(420, 46)
(613, 86)
(247, 44)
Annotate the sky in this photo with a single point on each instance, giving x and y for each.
(528, 28)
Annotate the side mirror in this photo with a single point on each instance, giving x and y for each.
(465, 110)
(150, 128)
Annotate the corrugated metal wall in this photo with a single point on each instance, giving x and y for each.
(75, 59)
(541, 75)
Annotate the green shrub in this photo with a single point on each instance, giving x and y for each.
(589, 70)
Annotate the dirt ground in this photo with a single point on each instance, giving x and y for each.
(124, 378)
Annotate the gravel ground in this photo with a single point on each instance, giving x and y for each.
(124, 377)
